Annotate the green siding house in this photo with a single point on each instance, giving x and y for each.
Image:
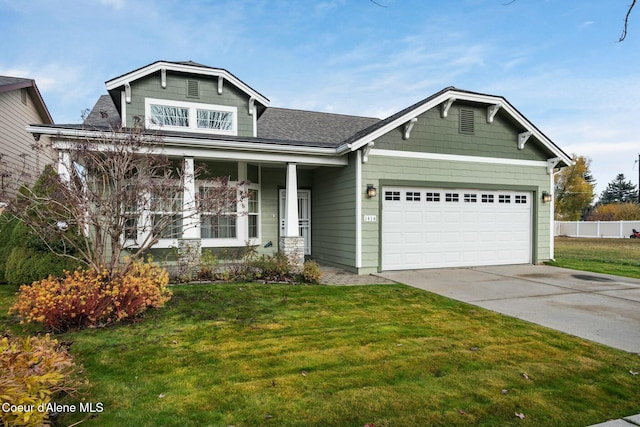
(458, 179)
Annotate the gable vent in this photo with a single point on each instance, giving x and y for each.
(193, 88)
(467, 121)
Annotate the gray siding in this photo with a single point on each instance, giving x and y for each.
(435, 134)
(334, 215)
(176, 90)
(16, 152)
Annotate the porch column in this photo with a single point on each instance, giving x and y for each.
(291, 226)
(291, 243)
(190, 219)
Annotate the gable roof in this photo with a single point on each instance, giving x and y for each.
(189, 67)
(449, 94)
(103, 114)
(8, 84)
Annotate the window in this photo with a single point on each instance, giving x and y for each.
(413, 196)
(392, 195)
(211, 119)
(191, 116)
(253, 213)
(470, 198)
(166, 214)
(487, 198)
(221, 222)
(432, 197)
(218, 226)
(451, 197)
(504, 198)
(521, 199)
(165, 115)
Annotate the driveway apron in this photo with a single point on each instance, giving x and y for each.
(598, 307)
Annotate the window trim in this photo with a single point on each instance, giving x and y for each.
(193, 108)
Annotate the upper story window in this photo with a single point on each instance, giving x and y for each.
(191, 116)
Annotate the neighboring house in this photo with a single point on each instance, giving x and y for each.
(457, 179)
(20, 162)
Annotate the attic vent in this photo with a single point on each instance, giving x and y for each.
(467, 121)
(193, 89)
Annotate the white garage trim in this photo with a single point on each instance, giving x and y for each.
(455, 158)
(444, 227)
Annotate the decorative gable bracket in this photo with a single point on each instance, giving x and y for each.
(406, 133)
(366, 151)
(163, 77)
(446, 106)
(552, 163)
(220, 84)
(252, 105)
(523, 138)
(492, 110)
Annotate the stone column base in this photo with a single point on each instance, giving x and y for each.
(293, 248)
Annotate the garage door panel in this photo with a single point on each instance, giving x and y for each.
(463, 228)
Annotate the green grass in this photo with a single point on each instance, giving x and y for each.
(610, 256)
(279, 355)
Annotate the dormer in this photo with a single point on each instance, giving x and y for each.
(187, 97)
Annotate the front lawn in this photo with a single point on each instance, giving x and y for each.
(610, 256)
(391, 355)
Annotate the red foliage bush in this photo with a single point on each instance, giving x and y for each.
(92, 298)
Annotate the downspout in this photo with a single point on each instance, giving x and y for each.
(358, 210)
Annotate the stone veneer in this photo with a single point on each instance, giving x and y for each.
(293, 248)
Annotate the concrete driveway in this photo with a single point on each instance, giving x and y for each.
(598, 307)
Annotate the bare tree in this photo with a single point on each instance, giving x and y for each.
(116, 196)
(626, 18)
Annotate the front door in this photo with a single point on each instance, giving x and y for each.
(304, 216)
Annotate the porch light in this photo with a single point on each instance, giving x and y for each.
(546, 197)
(371, 191)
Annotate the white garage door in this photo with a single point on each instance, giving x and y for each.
(437, 227)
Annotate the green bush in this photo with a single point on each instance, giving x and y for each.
(29, 259)
(311, 272)
(7, 225)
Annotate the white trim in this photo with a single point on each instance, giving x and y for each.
(184, 68)
(123, 108)
(458, 96)
(193, 108)
(358, 209)
(455, 158)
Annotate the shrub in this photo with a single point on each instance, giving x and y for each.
(6, 229)
(311, 272)
(274, 268)
(34, 369)
(92, 298)
(25, 258)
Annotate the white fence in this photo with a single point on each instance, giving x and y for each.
(605, 229)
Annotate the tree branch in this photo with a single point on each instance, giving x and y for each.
(626, 21)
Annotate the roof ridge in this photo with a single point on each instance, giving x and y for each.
(322, 112)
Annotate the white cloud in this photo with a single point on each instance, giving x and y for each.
(116, 4)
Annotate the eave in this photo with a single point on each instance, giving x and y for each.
(159, 66)
(249, 149)
(446, 98)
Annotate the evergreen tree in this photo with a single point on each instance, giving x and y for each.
(619, 191)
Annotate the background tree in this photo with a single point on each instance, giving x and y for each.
(619, 191)
(574, 189)
(615, 212)
(118, 195)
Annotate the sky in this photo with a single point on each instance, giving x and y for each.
(558, 62)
